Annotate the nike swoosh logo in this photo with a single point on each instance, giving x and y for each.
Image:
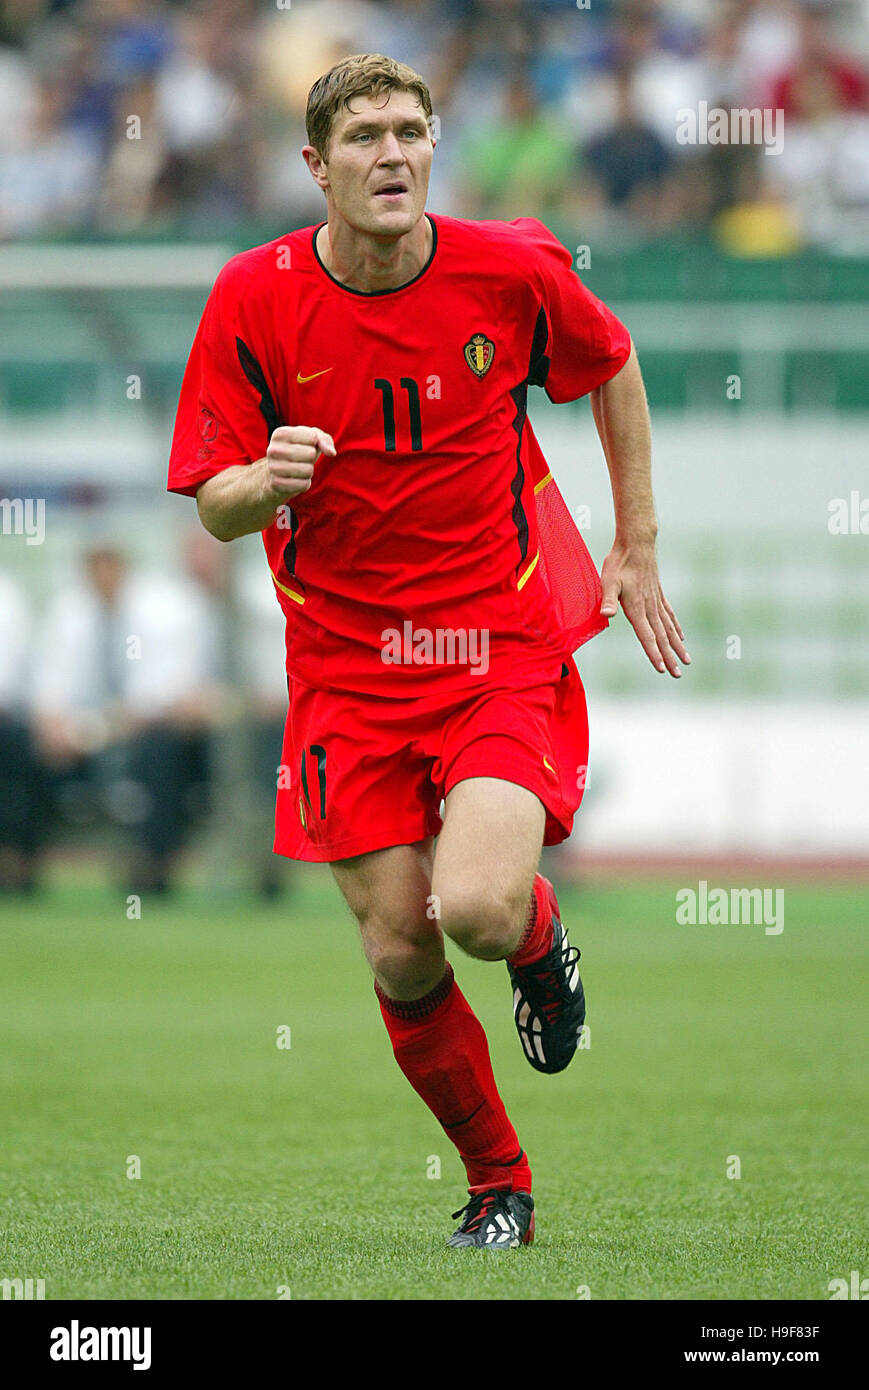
(547, 763)
(302, 379)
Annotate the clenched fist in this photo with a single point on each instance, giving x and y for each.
(290, 458)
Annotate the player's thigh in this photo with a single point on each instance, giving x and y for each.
(487, 856)
(389, 893)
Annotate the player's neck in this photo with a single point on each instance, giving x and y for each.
(369, 263)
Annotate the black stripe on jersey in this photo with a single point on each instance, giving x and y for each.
(320, 753)
(538, 369)
(539, 363)
(520, 520)
(305, 779)
(256, 376)
(290, 547)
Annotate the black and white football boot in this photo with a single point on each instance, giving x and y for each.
(548, 1000)
(495, 1220)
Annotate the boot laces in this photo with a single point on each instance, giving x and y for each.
(479, 1209)
(550, 985)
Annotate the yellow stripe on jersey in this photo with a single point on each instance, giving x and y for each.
(290, 593)
(530, 570)
(538, 487)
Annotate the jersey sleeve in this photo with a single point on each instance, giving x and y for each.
(586, 343)
(225, 411)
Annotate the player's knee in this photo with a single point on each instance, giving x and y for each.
(408, 963)
(483, 925)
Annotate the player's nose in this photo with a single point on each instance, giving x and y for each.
(390, 149)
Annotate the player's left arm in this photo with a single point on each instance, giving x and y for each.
(630, 571)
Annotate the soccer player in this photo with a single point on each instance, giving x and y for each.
(357, 392)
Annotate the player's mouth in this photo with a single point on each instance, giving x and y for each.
(392, 191)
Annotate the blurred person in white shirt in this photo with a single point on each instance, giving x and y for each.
(125, 698)
(50, 179)
(22, 791)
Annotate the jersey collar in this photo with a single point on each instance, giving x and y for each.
(376, 294)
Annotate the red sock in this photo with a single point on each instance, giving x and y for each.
(537, 938)
(440, 1046)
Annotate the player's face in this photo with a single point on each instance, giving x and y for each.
(379, 161)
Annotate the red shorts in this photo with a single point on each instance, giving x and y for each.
(360, 773)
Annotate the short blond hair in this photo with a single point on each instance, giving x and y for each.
(363, 74)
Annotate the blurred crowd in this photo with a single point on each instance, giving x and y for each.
(136, 116)
(138, 705)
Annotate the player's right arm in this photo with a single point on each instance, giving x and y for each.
(245, 497)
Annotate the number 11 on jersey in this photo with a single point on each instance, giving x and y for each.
(388, 400)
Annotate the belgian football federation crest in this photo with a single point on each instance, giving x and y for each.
(479, 354)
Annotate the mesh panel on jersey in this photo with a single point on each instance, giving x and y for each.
(567, 568)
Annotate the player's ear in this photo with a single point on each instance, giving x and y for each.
(316, 164)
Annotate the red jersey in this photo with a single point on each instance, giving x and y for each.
(413, 563)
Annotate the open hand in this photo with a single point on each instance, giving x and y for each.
(630, 577)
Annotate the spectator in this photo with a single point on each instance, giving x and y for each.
(134, 164)
(519, 166)
(126, 697)
(49, 182)
(22, 807)
(199, 112)
(821, 176)
(819, 66)
(822, 172)
(17, 100)
(630, 164)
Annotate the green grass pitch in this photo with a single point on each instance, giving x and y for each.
(306, 1169)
